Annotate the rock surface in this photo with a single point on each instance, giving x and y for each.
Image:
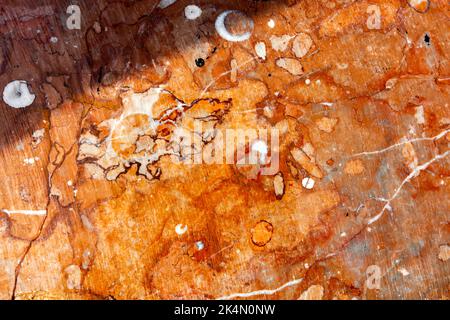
(105, 194)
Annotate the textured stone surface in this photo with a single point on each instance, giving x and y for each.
(93, 204)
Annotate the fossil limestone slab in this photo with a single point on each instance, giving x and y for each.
(292, 149)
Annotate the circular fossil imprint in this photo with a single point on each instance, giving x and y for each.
(234, 25)
(192, 12)
(262, 233)
(17, 95)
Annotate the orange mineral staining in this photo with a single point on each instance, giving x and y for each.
(354, 167)
(225, 149)
(326, 124)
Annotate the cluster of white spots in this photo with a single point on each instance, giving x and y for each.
(308, 183)
(53, 39)
(37, 136)
(165, 3)
(199, 245)
(180, 229)
(271, 23)
(224, 33)
(192, 12)
(260, 147)
(17, 95)
(30, 161)
(260, 49)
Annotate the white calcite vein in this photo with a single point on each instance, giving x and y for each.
(261, 292)
(413, 174)
(26, 212)
(369, 153)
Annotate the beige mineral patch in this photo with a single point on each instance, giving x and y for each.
(354, 167)
(444, 252)
(314, 292)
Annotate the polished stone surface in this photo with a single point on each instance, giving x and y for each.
(348, 200)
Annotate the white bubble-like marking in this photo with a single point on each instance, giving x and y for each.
(260, 49)
(308, 183)
(192, 12)
(200, 245)
(180, 229)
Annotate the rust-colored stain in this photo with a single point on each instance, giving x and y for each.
(244, 149)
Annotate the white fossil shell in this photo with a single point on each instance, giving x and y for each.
(224, 33)
(165, 3)
(17, 95)
(180, 229)
(192, 12)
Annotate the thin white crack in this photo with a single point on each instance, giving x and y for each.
(369, 153)
(261, 292)
(413, 174)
